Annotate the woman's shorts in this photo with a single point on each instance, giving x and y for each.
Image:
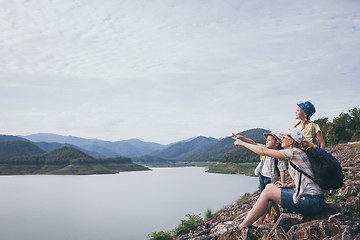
(263, 181)
(307, 204)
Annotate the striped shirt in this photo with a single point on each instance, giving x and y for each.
(303, 184)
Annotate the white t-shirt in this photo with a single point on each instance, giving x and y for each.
(266, 169)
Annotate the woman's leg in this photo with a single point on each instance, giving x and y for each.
(271, 193)
(260, 220)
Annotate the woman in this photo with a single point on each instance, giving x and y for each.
(311, 130)
(303, 195)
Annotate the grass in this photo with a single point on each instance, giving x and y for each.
(246, 168)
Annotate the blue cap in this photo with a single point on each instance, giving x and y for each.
(308, 108)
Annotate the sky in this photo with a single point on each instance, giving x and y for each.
(164, 70)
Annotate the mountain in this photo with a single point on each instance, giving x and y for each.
(48, 147)
(18, 148)
(180, 150)
(66, 160)
(216, 150)
(127, 148)
(148, 159)
(8, 138)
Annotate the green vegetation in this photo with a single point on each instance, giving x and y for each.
(246, 168)
(244, 199)
(18, 148)
(208, 213)
(188, 225)
(66, 160)
(160, 236)
(344, 128)
(241, 155)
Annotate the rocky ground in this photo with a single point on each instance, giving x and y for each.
(340, 219)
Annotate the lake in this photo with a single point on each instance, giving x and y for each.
(124, 206)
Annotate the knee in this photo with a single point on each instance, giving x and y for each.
(270, 187)
(270, 190)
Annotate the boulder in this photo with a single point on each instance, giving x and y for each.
(336, 218)
(238, 235)
(286, 221)
(316, 229)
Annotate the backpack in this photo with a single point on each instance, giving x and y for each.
(325, 167)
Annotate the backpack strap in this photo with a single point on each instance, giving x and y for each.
(276, 161)
(313, 134)
(301, 171)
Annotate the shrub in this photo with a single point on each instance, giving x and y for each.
(160, 236)
(208, 213)
(191, 224)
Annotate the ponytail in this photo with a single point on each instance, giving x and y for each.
(305, 145)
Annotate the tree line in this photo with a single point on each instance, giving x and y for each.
(343, 128)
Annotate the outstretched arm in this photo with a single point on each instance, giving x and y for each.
(260, 149)
(245, 139)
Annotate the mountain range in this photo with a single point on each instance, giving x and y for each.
(126, 148)
(196, 149)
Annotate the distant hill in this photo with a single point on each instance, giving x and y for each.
(48, 147)
(66, 160)
(151, 160)
(126, 148)
(180, 150)
(216, 150)
(8, 138)
(239, 155)
(18, 148)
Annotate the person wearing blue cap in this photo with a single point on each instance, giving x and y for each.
(311, 130)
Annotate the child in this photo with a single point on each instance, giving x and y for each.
(311, 130)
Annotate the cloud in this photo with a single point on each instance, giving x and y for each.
(150, 68)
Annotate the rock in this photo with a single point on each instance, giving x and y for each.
(336, 218)
(344, 192)
(221, 228)
(345, 234)
(286, 221)
(238, 235)
(264, 230)
(328, 210)
(309, 230)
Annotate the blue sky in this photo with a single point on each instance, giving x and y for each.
(164, 71)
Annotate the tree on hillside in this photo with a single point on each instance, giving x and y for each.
(343, 128)
(324, 125)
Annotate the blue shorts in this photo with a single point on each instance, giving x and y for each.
(263, 181)
(307, 204)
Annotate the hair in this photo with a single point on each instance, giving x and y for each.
(307, 121)
(305, 145)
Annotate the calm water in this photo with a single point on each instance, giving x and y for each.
(122, 206)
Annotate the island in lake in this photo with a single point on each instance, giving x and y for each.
(20, 157)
